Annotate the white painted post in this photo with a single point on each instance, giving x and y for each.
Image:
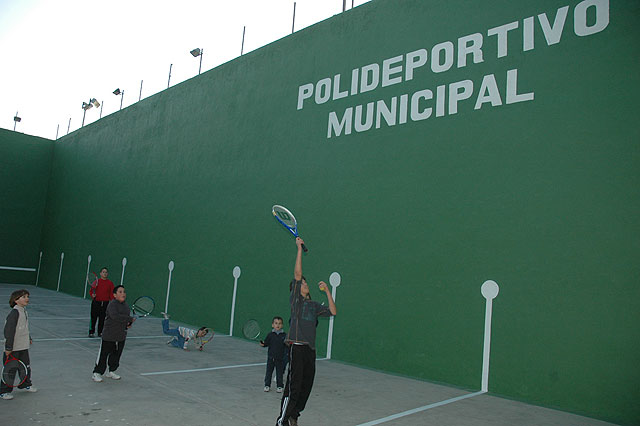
(86, 275)
(236, 275)
(38, 274)
(124, 264)
(166, 304)
(60, 273)
(489, 290)
(334, 280)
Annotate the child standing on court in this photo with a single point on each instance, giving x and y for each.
(183, 335)
(101, 294)
(17, 339)
(302, 341)
(114, 335)
(275, 355)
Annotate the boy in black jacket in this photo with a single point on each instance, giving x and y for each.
(276, 354)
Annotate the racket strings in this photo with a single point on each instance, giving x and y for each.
(143, 305)
(14, 373)
(251, 329)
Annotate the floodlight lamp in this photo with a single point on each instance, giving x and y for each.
(196, 52)
(95, 102)
(86, 106)
(117, 91)
(17, 119)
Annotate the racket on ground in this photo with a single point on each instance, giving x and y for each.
(143, 306)
(14, 372)
(199, 342)
(207, 337)
(251, 329)
(287, 219)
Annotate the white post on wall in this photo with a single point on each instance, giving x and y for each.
(38, 274)
(236, 275)
(86, 275)
(124, 264)
(166, 303)
(334, 280)
(489, 290)
(60, 273)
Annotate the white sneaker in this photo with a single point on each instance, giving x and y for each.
(279, 390)
(113, 375)
(31, 389)
(96, 377)
(6, 396)
(267, 388)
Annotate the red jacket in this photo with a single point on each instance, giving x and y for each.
(103, 291)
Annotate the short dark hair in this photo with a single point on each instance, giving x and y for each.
(115, 289)
(16, 295)
(277, 318)
(103, 268)
(203, 328)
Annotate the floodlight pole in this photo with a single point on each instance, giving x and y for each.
(69, 126)
(344, 5)
(57, 130)
(140, 96)
(121, 98)
(15, 121)
(242, 48)
(201, 54)
(169, 81)
(101, 106)
(293, 24)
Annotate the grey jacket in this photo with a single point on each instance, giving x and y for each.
(16, 330)
(116, 322)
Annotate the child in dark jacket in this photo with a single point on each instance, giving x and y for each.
(276, 357)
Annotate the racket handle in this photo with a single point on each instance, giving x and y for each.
(304, 248)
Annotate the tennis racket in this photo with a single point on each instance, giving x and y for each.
(14, 372)
(92, 280)
(287, 219)
(251, 329)
(143, 306)
(199, 342)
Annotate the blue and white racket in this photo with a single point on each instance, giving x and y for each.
(287, 219)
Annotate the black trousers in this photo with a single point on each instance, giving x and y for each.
(24, 357)
(110, 353)
(98, 313)
(302, 371)
(278, 364)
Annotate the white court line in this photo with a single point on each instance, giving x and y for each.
(60, 339)
(56, 318)
(419, 409)
(15, 268)
(202, 369)
(157, 373)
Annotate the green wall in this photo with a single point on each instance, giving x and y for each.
(25, 166)
(540, 195)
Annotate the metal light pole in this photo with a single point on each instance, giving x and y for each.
(195, 53)
(293, 24)
(243, 31)
(121, 93)
(16, 120)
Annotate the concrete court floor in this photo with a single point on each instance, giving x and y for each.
(229, 392)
